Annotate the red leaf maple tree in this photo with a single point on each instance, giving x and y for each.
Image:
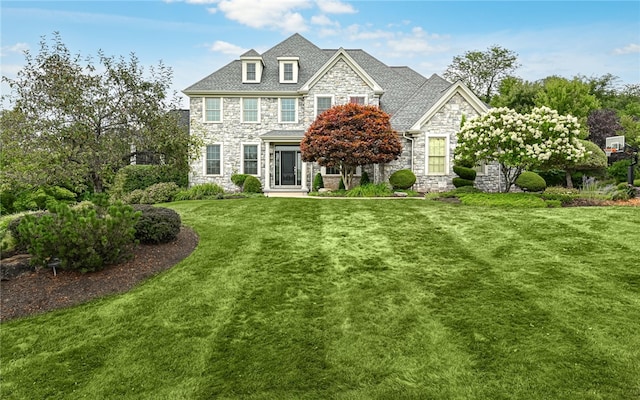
(348, 136)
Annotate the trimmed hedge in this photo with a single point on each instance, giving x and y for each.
(465, 172)
(156, 224)
(461, 182)
(402, 179)
(252, 185)
(529, 181)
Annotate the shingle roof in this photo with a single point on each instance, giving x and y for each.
(407, 94)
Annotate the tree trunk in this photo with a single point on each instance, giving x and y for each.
(568, 178)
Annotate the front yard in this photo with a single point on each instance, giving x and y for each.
(357, 299)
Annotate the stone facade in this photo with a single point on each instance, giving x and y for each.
(340, 82)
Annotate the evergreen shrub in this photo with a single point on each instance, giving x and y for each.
(529, 181)
(364, 178)
(83, 238)
(318, 182)
(402, 179)
(461, 182)
(465, 172)
(238, 179)
(134, 177)
(341, 185)
(156, 224)
(252, 185)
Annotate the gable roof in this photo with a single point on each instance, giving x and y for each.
(404, 93)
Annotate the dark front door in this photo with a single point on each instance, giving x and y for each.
(288, 168)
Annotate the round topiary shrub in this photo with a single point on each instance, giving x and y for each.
(156, 224)
(465, 172)
(238, 179)
(461, 182)
(402, 179)
(252, 185)
(530, 182)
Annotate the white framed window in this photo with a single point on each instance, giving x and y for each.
(437, 155)
(288, 67)
(251, 70)
(251, 159)
(250, 109)
(358, 99)
(322, 103)
(212, 109)
(213, 159)
(288, 110)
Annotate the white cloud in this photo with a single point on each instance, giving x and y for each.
(630, 49)
(323, 20)
(335, 7)
(227, 48)
(16, 48)
(266, 13)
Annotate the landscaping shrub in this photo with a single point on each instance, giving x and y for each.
(134, 177)
(624, 191)
(461, 182)
(529, 181)
(620, 169)
(156, 224)
(134, 197)
(636, 183)
(40, 199)
(84, 238)
(370, 190)
(318, 182)
(553, 177)
(559, 193)
(200, 192)
(364, 178)
(341, 185)
(465, 172)
(160, 193)
(402, 179)
(252, 185)
(238, 179)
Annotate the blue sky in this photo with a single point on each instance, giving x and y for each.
(196, 37)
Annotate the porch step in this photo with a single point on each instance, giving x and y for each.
(285, 194)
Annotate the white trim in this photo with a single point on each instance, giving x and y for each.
(288, 60)
(204, 159)
(280, 121)
(456, 88)
(242, 156)
(342, 54)
(446, 138)
(204, 109)
(258, 63)
(315, 102)
(242, 110)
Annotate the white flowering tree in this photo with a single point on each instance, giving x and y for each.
(518, 142)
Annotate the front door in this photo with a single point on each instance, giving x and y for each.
(287, 168)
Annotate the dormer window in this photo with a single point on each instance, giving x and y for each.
(252, 66)
(288, 67)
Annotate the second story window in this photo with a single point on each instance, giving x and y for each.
(357, 100)
(288, 110)
(323, 103)
(212, 109)
(250, 110)
(288, 69)
(288, 72)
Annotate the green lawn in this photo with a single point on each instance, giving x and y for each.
(357, 299)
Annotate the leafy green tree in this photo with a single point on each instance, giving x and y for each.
(516, 94)
(541, 139)
(482, 71)
(348, 136)
(567, 97)
(84, 118)
(631, 129)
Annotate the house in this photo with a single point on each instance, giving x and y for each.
(254, 111)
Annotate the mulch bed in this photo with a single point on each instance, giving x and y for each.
(27, 291)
